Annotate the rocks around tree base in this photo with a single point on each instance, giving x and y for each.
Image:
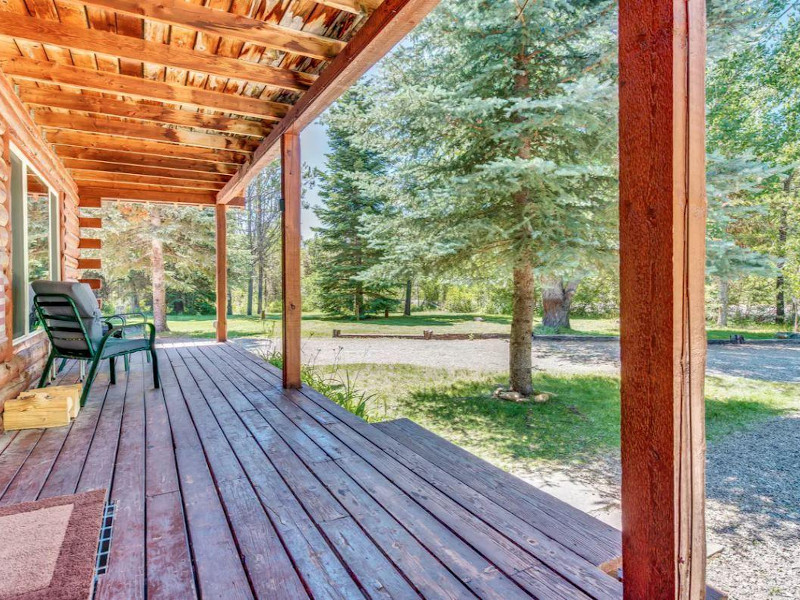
(512, 396)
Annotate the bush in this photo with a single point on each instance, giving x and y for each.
(338, 386)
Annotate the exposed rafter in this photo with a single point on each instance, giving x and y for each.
(144, 131)
(352, 6)
(223, 23)
(124, 46)
(136, 87)
(389, 23)
(108, 142)
(145, 160)
(69, 100)
(90, 195)
(114, 169)
(111, 179)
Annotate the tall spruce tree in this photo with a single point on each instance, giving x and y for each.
(499, 119)
(343, 287)
(735, 187)
(754, 107)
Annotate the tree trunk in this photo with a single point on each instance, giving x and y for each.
(358, 301)
(407, 308)
(556, 302)
(157, 261)
(522, 327)
(796, 303)
(135, 306)
(724, 286)
(783, 230)
(229, 307)
(519, 354)
(260, 295)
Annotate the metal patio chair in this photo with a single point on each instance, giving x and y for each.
(70, 314)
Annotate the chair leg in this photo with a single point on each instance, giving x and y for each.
(87, 384)
(148, 353)
(112, 367)
(62, 365)
(127, 359)
(156, 382)
(46, 372)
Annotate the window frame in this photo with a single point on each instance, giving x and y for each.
(54, 237)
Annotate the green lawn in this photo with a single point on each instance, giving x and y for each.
(580, 423)
(317, 325)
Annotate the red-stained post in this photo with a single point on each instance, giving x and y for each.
(222, 272)
(291, 186)
(662, 265)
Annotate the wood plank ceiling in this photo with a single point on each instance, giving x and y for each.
(143, 100)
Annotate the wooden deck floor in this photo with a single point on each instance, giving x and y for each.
(229, 487)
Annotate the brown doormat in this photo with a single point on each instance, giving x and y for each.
(48, 548)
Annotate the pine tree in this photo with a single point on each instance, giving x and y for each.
(733, 183)
(754, 108)
(341, 240)
(499, 120)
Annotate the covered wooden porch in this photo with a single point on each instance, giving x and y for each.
(232, 482)
(225, 485)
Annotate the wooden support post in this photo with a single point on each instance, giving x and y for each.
(290, 225)
(222, 273)
(662, 264)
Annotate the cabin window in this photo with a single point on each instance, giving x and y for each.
(35, 245)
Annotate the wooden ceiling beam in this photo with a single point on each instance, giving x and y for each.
(143, 131)
(108, 142)
(387, 25)
(89, 193)
(91, 196)
(352, 6)
(110, 179)
(113, 169)
(135, 87)
(143, 112)
(118, 157)
(223, 23)
(123, 46)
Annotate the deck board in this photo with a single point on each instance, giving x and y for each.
(588, 537)
(522, 550)
(229, 486)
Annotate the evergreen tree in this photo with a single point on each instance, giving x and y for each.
(341, 240)
(500, 122)
(754, 107)
(733, 182)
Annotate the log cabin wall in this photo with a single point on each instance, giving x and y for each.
(21, 362)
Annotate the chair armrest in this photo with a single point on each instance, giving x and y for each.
(125, 317)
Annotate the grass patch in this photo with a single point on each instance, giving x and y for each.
(580, 424)
(318, 325)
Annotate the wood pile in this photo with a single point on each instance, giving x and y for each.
(53, 406)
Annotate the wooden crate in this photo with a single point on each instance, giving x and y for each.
(52, 406)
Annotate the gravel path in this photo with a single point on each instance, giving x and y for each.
(753, 477)
(756, 361)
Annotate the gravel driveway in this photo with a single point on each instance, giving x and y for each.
(766, 362)
(753, 477)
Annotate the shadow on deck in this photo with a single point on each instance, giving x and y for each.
(228, 486)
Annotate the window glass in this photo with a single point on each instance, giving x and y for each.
(19, 250)
(39, 266)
